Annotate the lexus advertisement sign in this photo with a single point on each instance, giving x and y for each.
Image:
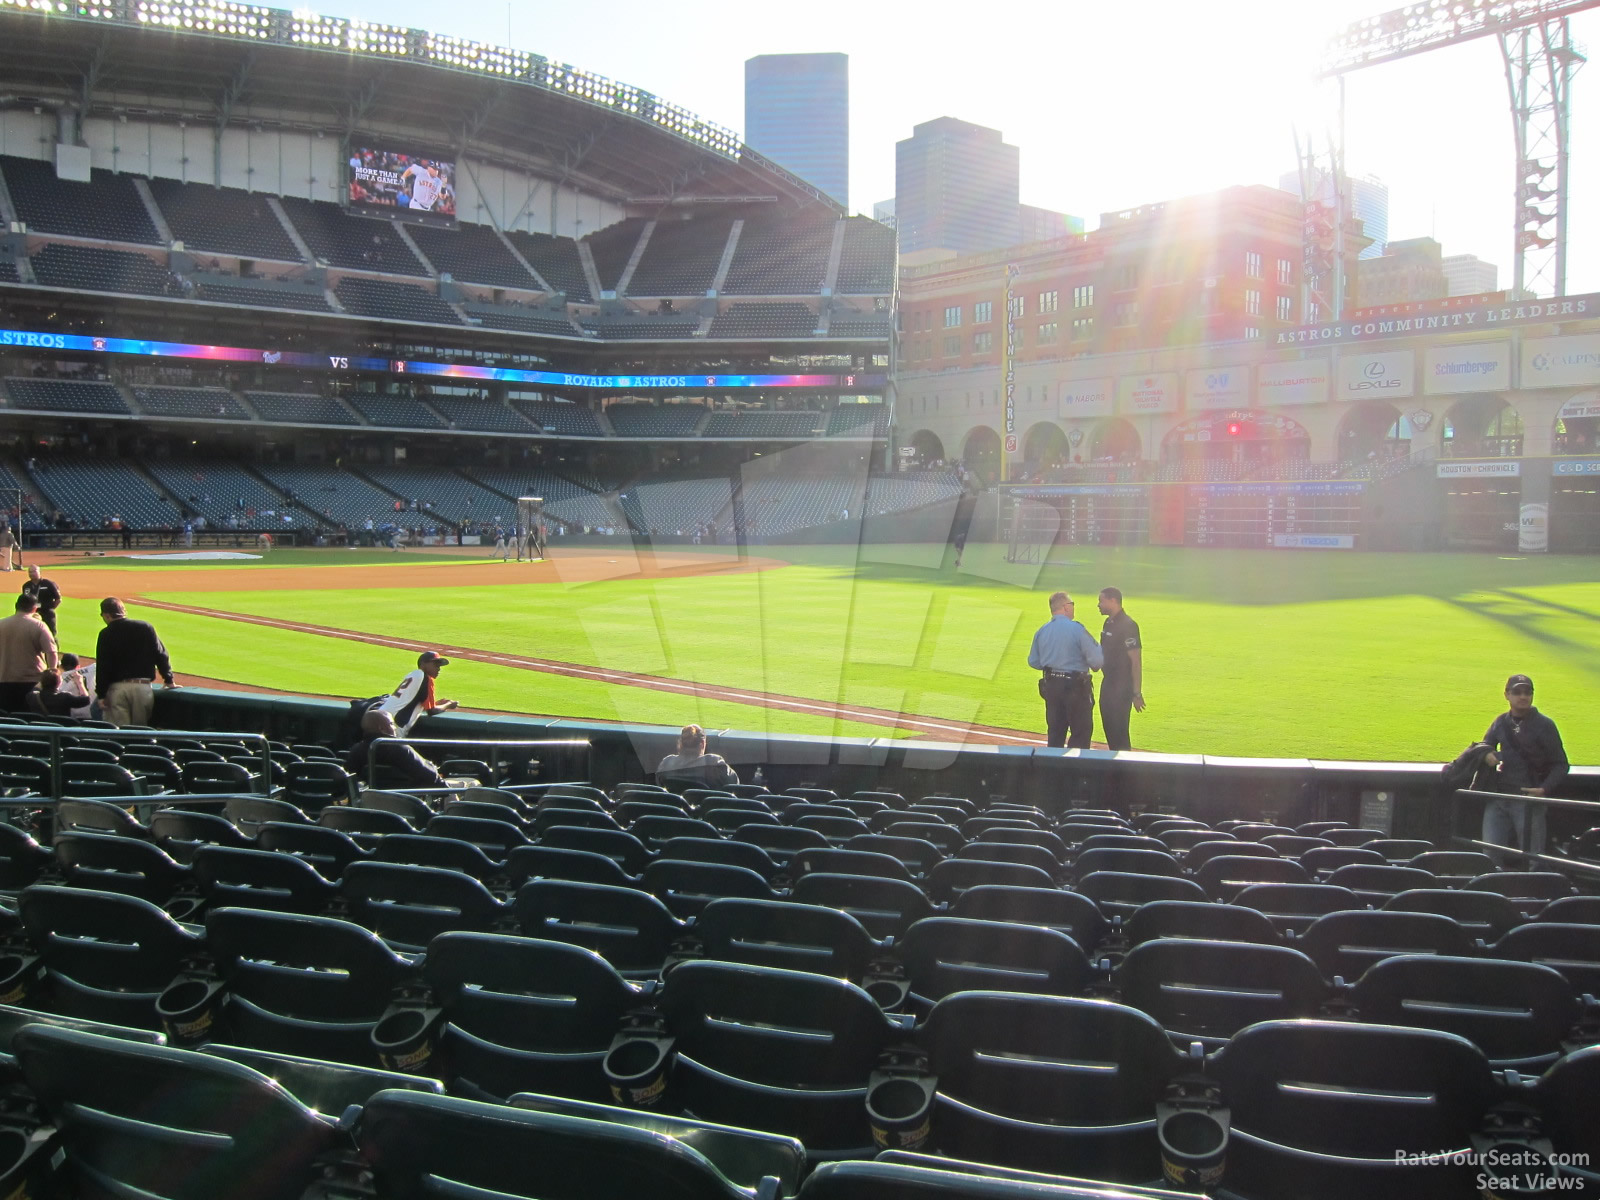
(1387, 376)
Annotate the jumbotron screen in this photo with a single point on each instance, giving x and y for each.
(396, 183)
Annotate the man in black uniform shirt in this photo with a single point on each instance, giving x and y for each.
(47, 595)
(1121, 686)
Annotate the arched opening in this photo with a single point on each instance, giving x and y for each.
(981, 454)
(1239, 436)
(1481, 427)
(929, 449)
(1114, 440)
(1373, 431)
(1577, 429)
(1045, 446)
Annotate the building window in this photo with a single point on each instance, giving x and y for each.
(1049, 332)
(1251, 333)
(1128, 277)
(982, 343)
(1285, 308)
(1313, 312)
(1252, 302)
(1083, 296)
(952, 316)
(1017, 306)
(1126, 313)
(1047, 302)
(983, 312)
(1252, 264)
(952, 346)
(1082, 328)
(1285, 273)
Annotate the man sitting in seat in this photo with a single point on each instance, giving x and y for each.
(691, 759)
(416, 770)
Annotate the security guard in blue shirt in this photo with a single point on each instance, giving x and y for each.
(1066, 653)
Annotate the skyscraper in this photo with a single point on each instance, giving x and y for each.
(1469, 275)
(955, 188)
(1368, 199)
(797, 113)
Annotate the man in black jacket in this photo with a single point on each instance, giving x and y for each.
(127, 658)
(47, 595)
(1529, 759)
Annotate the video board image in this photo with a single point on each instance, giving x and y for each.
(421, 188)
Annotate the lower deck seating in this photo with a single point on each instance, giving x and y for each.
(94, 491)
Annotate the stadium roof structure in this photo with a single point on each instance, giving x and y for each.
(226, 63)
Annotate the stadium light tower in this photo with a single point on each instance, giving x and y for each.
(1540, 60)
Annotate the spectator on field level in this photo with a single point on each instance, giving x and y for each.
(8, 542)
(691, 758)
(418, 771)
(128, 657)
(46, 594)
(27, 653)
(76, 690)
(1528, 758)
(415, 697)
(1065, 654)
(1122, 685)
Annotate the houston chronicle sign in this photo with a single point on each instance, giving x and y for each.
(1489, 316)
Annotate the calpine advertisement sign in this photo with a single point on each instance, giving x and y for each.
(1143, 395)
(1388, 376)
(1304, 381)
(1086, 398)
(1218, 387)
(1474, 367)
(1561, 362)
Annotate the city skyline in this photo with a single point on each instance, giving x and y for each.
(1209, 98)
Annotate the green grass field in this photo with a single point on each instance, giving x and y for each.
(1325, 655)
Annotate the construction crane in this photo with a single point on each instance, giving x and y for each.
(1540, 60)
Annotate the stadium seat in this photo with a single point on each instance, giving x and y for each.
(784, 934)
(655, 832)
(21, 774)
(886, 907)
(946, 837)
(1208, 991)
(425, 1146)
(1042, 837)
(1184, 839)
(108, 956)
(1376, 884)
(631, 930)
(1111, 841)
(943, 955)
(364, 826)
(116, 864)
(1119, 893)
(629, 811)
(1319, 829)
(849, 862)
(495, 838)
(1001, 852)
(415, 811)
(249, 813)
(97, 816)
(687, 887)
(1132, 862)
(1564, 1097)
(1453, 868)
(328, 850)
(1292, 845)
(1225, 876)
(1528, 891)
(553, 862)
(229, 875)
(522, 1014)
(1345, 944)
(1335, 1110)
(837, 830)
(1254, 831)
(181, 833)
(1347, 836)
(219, 779)
(1072, 914)
(1574, 950)
(1482, 914)
(918, 856)
(304, 985)
(1572, 910)
(1398, 851)
(1292, 907)
(22, 860)
(955, 875)
(721, 850)
(1517, 1013)
(626, 850)
(153, 1121)
(1201, 853)
(408, 906)
(780, 1051)
(311, 785)
(781, 842)
(88, 779)
(566, 812)
(1017, 1089)
(1206, 922)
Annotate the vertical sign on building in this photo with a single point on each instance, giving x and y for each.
(1008, 368)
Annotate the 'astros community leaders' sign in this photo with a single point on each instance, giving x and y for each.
(1411, 324)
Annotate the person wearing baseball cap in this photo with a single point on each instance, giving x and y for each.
(1528, 758)
(415, 697)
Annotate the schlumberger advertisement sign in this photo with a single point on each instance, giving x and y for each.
(1489, 316)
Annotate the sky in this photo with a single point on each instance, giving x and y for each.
(1113, 106)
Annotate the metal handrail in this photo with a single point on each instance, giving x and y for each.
(493, 747)
(1572, 866)
(54, 733)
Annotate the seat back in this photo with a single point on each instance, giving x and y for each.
(1482, 914)
(722, 851)
(414, 809)
(1376, 884)
(1292, 907)
(1006, 852)
(616, 844)
(1072, 914)
(955, 875)
(943, 955)
(119, 864)
(261, 879)
(1345, 944)
(181, 833)
(411, 905)
(1225, 876)
(687, 887)
(1574, 950)
(918, 856)
(1207, 922)
(98, 779)
(249, 813)
(849, 862)
(1118, 893)
(427, 850)
(1133, 862)
(328, 850)
(795, 937)
(314, 784)
(96, 816)
(496, 838)
(631, 930)
(886, 907)
(152, 1121)
(553, 862)
(1211, 990)
(781, 842)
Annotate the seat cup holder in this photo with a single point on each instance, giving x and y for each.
(637, 1068)
(19, 977)
(189, 1009)
(1194, 1143)
(405, 1038)
(25, 1153)
(900, 1109)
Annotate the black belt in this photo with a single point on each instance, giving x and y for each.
(1074, 675)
